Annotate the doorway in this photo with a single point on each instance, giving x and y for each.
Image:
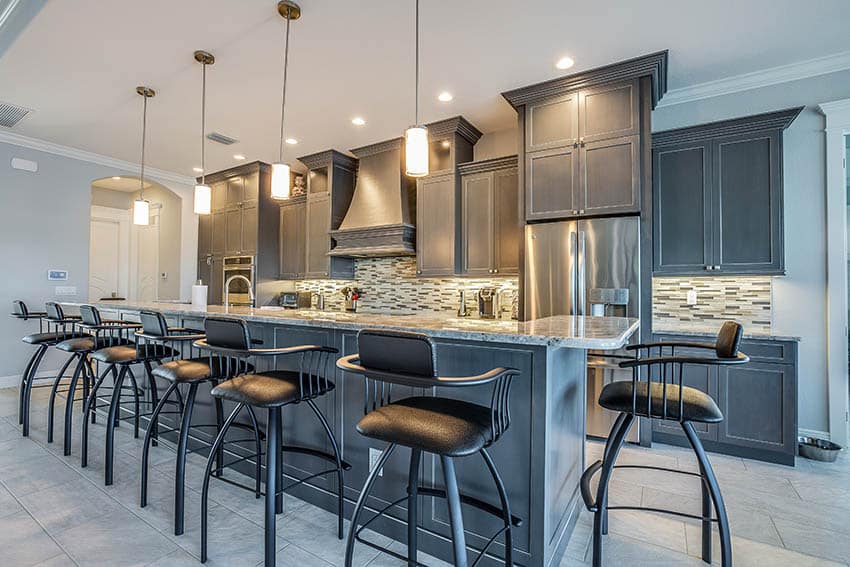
(108, 252)
(144, 259)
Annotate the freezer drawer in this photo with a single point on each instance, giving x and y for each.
(600, 372)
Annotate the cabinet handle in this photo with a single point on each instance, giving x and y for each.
(575, 211)
(575, 145)
(495, 271)
(581, 211)
(708, 268)
(717, 267)
(581, 142)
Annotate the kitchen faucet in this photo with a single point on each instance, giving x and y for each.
(227, 290)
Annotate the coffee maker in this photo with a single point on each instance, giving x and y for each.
(488, 304)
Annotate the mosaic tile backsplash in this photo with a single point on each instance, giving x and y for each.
(391, 284)
(746, 299)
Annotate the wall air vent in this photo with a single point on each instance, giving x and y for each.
(221, 138)
(11, 114)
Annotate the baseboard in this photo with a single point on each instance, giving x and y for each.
(813, 433)
(15, 379)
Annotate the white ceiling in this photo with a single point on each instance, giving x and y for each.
(123, 184)
(77, 64)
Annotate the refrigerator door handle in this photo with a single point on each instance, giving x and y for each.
(582, 274)
(572, 283)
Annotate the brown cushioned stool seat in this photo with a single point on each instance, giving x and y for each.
(193, 369)
(89, 343)
(438, 425)
(130, 352)
(267, 390)
(41, 338)
(696, 405)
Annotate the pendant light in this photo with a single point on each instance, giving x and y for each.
(416, 137)
(280, 171)
(142, 207)
(203, 192)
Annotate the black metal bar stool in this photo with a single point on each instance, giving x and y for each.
(662, 396)
(54, 327)
(445, 427)
(229, 341)
(118, 360)
(192, 371)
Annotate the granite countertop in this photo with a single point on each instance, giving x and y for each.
(703, 330)
(602, 333)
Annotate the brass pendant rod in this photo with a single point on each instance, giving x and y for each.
(144, 135)
(285, 72)
(416, 123)
(203, 124)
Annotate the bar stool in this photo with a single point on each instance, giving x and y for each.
(662, 396)
(445, 427)
(54, 327)
(191, 371)
(229, 341)
(118, 359)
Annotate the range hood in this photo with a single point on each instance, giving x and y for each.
(380, 220)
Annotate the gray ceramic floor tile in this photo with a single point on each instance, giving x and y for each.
(8, 503)
(35, 474)
(649, 528)
(15, 452)
(295, 556)
(24, 542)
(70, 504)
(813, 541)
(178, 558)
(621, 550)
(59, 561)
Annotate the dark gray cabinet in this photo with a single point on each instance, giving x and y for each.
(292, 239)
(758, 400)
(490, 222)
(717, 197)
(583, 153)
(318, 241)
(436, 225)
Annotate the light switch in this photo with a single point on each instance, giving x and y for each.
(164, 275)
(65, 290)
(692, 297)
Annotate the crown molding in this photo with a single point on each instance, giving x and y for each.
(779, 120)
(455, 125)
(837, 113)
(758, 79)
(90, 157)
(377, 148)
(483, 166)
(327, 158)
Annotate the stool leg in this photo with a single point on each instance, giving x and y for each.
(146, 446)
(51, 403)
(111, 424)
(278, 506)
(339, 470)
(94, 398)
(602, 489)
(455, 515)
(412, 507)
(23, 387)
(618, 423)
(117, 418)
(25, 418)
(258, 473)
(69, 405)
(136, 409)
(714, 489)
(89, 407)
(180, 474)
(706, 514)
(506, 507)
(361, 502)
(88, 380)
(272, 461)
(154, 422)
(219, 420)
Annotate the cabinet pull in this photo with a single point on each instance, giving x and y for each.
(581, 211)
(708, 268)
(495, 271)
(575, 145)
(581, 142)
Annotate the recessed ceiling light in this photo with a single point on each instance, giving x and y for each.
(291, 141)
(445, 96)
(358, 121)
(116, 178)
(198, 169)
(565, 63)
(238, 156)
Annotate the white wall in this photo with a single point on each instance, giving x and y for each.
(496, 144)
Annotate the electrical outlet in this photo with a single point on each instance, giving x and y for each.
(163, 275)
(65, 290)
(692, 297)
(374, 457)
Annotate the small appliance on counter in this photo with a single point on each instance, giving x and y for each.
(352, 296)
(295, 299)
(488, 304)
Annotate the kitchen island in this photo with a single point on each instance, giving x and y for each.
(541, 457)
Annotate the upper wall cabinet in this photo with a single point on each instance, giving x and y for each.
(718, 197)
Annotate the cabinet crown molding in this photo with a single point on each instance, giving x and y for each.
(243, 169)
(455, 125)
(378, 147)
(778, 120)
(327, 158)
(486, 165)
(653, 65)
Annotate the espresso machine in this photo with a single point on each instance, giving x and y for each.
(488, 303)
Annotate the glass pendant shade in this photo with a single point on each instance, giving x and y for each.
(203, 199)
(141, 212)
(280, 181)
(416, 151)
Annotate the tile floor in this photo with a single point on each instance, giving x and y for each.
(52, 513)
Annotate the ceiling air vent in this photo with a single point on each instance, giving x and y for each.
(221, 138)
(11, 114)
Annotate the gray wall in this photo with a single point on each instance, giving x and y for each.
(112, 199)
(44, 223)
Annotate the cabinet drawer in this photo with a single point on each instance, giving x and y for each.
(770, 351)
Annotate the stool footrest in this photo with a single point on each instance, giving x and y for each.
(584, 485)
(470, 501)
(315, 453)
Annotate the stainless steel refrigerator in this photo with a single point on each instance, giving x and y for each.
(586, 267)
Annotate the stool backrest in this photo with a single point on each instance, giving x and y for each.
(90, 315)
(153, 323)
(729, 340)
(398, 352)
(54, 311)
(19, 308)
(225, 332)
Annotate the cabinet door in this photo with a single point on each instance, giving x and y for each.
(758, 403)
(249, 229)
(508, 228)
(235, 192)
(681, 189)
(204, 235)
(292, 240)
(747, 204)
(251, 187)
(205, 271)
(435, 226)
(551, 183)
(609, 111)
(477, 224)
(233, 230)
(610, 176)
(219, 195)
(552, 124)
(703, 378)
(216, 282)
(318, 240)
(218, 232)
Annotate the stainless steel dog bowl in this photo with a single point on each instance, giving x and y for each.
(818, 449)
